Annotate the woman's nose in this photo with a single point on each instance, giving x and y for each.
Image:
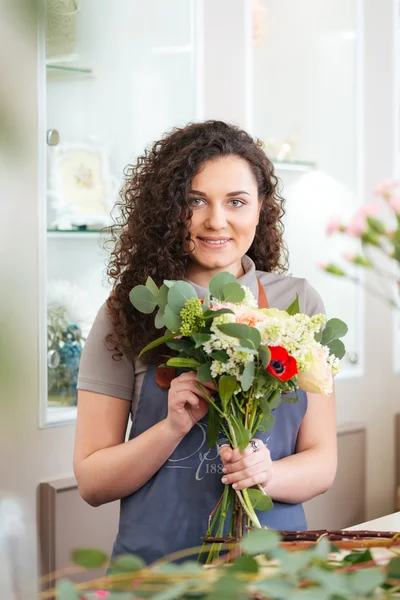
(216, 218)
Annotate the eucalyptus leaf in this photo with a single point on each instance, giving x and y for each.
(246, 350)
(181, 345)
(245, 564)
(260, 501)
(260, 541)
(294, 562)
(394, 568)
(294, 308)
(185, 363)
(366, 580)
(200, 339)
(150, 284)
(90, 558)
(143, 299)
(214, 423)
(275, 587)
(227, 385)
(233, 292)
(355, 558)
(228, 587)
(159, 320)
(66, 590)
(204, 373)
(172, 320)
(178, 294)
(337, 348)
(247, 377)
(333, 583)
(220, 355)
(157, 342)
(322, 548)
(218, 282)
(168, 283)
(328, 335)
(265, 355)
(114, 595)
(242, 332)
(242, 435)
(162, 297)
(275, 400)
(267, 423)
(125, 563)
(172, 592)
(339, 327)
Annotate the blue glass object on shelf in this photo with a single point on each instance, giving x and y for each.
(65, 343)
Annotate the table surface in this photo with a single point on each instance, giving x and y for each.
(386, 523)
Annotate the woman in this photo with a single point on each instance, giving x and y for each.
(203, 200)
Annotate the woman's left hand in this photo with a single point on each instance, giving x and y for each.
(246, 468)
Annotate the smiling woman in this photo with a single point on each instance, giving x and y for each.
(203, 200)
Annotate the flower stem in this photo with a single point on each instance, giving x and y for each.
(219, 411)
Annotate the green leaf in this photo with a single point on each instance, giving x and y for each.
(159, 320)
(247, 377)
(214, 423)
(185, 363)
(66, 590)
(157, 342)
(311, 593)
(142, 299)
(293, 562)
(172, 592)
(204, 373)
(336, 584)
(245, 564)
(162, 297)
(150, 284)
(233, 292)
(260, 541)
(242, 332)
(275, 400)
(265, 355)
(260, 501)
(90, 558)
(180, 293)
(328, 335)
(172, 320)
(220, 355)
(366, 580)
(242, 435)
(294, 308)
(322, 548)
(121, 596)
(181, 345)
(394, 568)
(227, 384)
(246, 349)
(267, 423)
(211, 314)
(218, 282)
(201, 338)
(339, 327)
(337, 348)
(168, 283)
(277, 588)
(357, 557)
(125, 563)
(228, 587)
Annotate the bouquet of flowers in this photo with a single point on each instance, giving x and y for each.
(255, 357)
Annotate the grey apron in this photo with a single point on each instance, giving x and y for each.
(170, 512)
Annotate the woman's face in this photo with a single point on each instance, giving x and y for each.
(225, 204)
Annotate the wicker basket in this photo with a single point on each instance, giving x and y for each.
(61, 27)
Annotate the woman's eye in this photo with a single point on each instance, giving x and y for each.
(237, 202)
(195, 201)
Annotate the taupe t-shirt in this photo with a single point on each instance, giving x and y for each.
(99, 373)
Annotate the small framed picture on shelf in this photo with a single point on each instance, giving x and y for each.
(82, 189)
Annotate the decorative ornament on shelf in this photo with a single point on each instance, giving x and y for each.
(379, 239)
(81, 187)
(70, 316)
(61, 27)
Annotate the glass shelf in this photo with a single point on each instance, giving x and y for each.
(56, 72)
(294, 165)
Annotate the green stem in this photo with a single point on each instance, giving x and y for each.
(219, 411)
(238, 405)
(247, 507)
(256, 426)
(253, 415)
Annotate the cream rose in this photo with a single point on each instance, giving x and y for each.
(317, 378)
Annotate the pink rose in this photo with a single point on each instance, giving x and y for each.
(386, 187)
(249, 316)
(333, 226)
(394, 203)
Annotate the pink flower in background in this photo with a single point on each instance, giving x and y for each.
(386, 187)
(101, 594)
(333, 226)
(394, 202)
(258, 21)
(359, 224)
(349, 256)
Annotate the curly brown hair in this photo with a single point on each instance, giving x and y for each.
(149, 233)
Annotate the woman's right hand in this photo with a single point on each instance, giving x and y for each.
(186, 405)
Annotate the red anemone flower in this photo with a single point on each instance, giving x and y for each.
(281, 365)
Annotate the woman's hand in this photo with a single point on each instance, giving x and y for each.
(186, 404)
(246, 468)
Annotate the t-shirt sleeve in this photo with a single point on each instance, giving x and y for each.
(98, 371)
(314, 304)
